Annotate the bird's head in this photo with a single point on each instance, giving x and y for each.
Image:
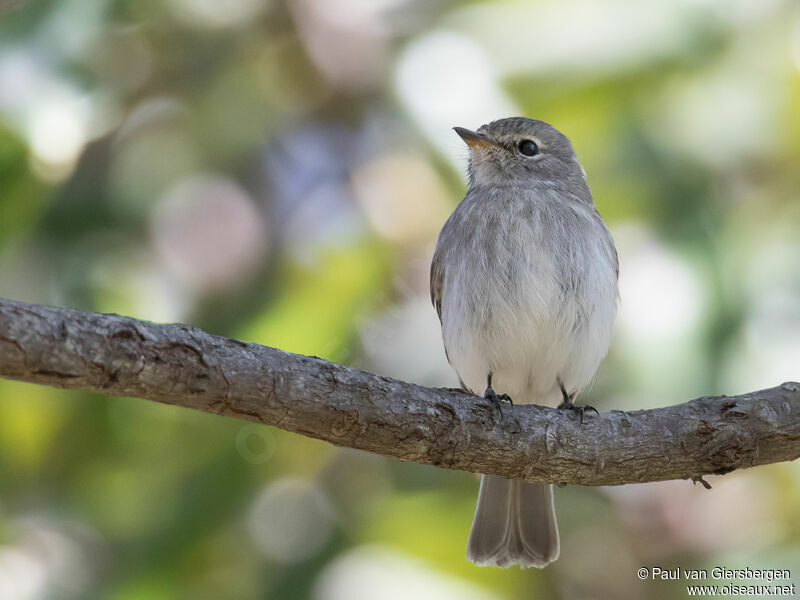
(517, 150)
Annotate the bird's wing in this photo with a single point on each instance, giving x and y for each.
(437, 275)
(615, 257)
(610, 247)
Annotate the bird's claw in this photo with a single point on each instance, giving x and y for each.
(569, 404)
(578, 409)
(497, 399)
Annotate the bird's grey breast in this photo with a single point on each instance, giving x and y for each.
(521, 275)
(510, 247)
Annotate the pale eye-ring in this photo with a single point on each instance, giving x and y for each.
(528, 148)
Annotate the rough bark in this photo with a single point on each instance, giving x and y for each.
(181, 365)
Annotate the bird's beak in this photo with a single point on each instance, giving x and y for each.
(471, 138)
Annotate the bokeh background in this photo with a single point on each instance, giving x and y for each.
(277, 171)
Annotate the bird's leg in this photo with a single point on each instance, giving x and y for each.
(494, 397)
(568, 402)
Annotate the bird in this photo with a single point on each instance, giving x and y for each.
(524, 279)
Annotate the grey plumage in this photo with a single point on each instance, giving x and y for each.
(515, 523)
(524, 279)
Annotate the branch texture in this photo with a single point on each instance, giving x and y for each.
(181, 365)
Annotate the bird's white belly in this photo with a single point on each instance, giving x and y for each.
(527, 335)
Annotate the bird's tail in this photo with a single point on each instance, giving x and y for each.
(514, 524)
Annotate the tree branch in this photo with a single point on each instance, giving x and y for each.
(181, 365)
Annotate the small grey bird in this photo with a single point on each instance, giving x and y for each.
(524, 279)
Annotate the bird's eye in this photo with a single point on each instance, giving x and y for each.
(527, 148)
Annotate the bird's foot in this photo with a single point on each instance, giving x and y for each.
(578, 409)
(568, 403)
(495, 398)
